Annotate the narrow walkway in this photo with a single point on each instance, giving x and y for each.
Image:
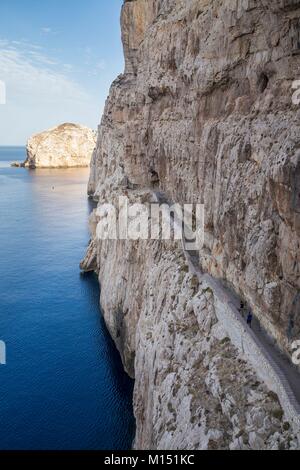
(286, 371)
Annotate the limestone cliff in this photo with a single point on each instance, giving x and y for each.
(68, 145)
(204, 113)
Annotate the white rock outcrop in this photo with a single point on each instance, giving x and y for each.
(65, 146)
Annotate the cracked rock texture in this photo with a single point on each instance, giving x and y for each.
(68, 145)
(204, 113)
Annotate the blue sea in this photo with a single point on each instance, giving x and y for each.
(63, 386)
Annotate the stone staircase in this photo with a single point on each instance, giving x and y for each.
(281, 378)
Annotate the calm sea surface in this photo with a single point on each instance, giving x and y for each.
(63, 386)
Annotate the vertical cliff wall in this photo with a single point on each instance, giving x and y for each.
(204, 113)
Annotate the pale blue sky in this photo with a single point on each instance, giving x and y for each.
(58, 59)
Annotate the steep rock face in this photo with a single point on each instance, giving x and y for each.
(203, 112)
(68, 145)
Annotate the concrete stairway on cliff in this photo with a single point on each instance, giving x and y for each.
(271, 365)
